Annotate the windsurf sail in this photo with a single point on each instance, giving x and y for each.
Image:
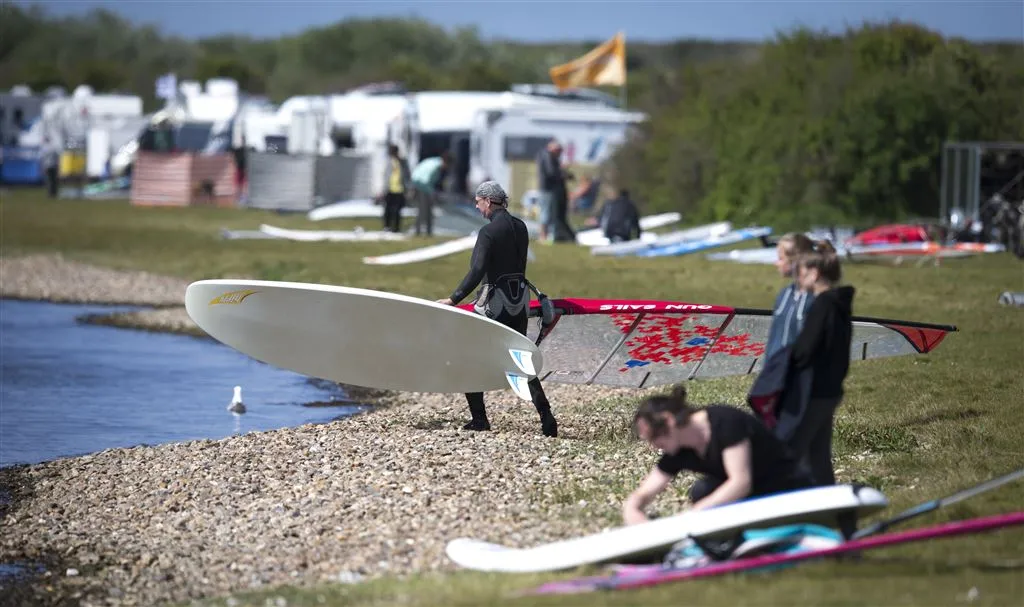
(641, 343)
(650, 576)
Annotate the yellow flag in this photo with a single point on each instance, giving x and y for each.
(605, 65)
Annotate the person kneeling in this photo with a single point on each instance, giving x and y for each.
(737, 455)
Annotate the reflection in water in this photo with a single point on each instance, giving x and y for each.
(68, 388)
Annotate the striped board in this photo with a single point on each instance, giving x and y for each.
(694, 246)
(711, 230)
(881, 251)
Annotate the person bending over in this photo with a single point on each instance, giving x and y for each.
(620, 219)
(737, 455)
(499, 259)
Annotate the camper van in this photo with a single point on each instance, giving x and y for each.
(438, 121)
(362, 121)
(504, 143)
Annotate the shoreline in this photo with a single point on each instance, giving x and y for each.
(300, 505)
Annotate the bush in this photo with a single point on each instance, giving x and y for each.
(824, 128)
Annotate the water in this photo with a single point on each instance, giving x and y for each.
(69, 388)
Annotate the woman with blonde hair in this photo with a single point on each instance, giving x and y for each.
(737, 455)
(791, 303)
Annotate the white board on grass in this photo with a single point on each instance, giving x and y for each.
(595, 237)
(363, 337)
(821, 505)
(355, 209)
(357, 235)
(450, 247)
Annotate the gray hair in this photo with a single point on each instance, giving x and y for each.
(492, 191)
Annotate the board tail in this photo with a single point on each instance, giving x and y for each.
(646, 577)
(523, 360)
(520, 385)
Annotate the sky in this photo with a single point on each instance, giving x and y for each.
(554, 20)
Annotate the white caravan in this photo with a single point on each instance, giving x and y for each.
(96, 124)
(438, 121)
(500, 138)
(362, 121)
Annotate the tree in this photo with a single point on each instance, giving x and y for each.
(823, 128)
(227, 66)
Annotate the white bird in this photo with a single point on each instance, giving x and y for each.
(236, 405)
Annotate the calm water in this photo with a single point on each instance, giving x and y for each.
(68, 388)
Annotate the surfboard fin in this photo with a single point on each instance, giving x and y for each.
(520, 385)
(523, 360)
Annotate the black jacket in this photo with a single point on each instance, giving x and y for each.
(619, 217)
(500, 250)
(823, 345)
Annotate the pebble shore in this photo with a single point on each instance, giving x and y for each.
(378, 493)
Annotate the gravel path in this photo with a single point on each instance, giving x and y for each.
(53, 278)
(374, 494)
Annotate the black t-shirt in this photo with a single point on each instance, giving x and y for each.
(774, 468)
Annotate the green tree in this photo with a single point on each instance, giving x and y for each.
(228, 66)
(823, 128)
(101, 75)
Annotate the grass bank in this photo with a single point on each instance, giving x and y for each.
(916, 427)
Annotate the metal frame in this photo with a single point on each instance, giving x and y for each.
(966, 174)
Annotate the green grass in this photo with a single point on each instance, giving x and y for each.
(917, 427)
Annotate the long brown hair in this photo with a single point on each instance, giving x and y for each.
(652, 408)
(825, 260)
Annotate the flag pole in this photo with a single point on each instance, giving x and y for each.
(625, 73)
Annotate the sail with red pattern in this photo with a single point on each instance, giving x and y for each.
(643, 343)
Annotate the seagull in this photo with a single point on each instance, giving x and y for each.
(236, 405)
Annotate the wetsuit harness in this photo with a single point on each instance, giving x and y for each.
(504, 294)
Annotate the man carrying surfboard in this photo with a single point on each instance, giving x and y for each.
(499, 260)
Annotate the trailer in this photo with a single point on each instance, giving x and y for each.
(505, 143)
(437, 121)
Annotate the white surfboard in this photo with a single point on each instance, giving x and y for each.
(364, 338)
(227, 234)
(821, 505)
(760, 255)
(711, 230)
(595, 237)
(355, 209)
(356, 235)
(451, 247)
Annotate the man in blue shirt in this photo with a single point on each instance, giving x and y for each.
(427, 179)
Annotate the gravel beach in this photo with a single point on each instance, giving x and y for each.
(378, 493)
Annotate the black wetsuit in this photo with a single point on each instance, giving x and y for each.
(620, 220)
(499, 260)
